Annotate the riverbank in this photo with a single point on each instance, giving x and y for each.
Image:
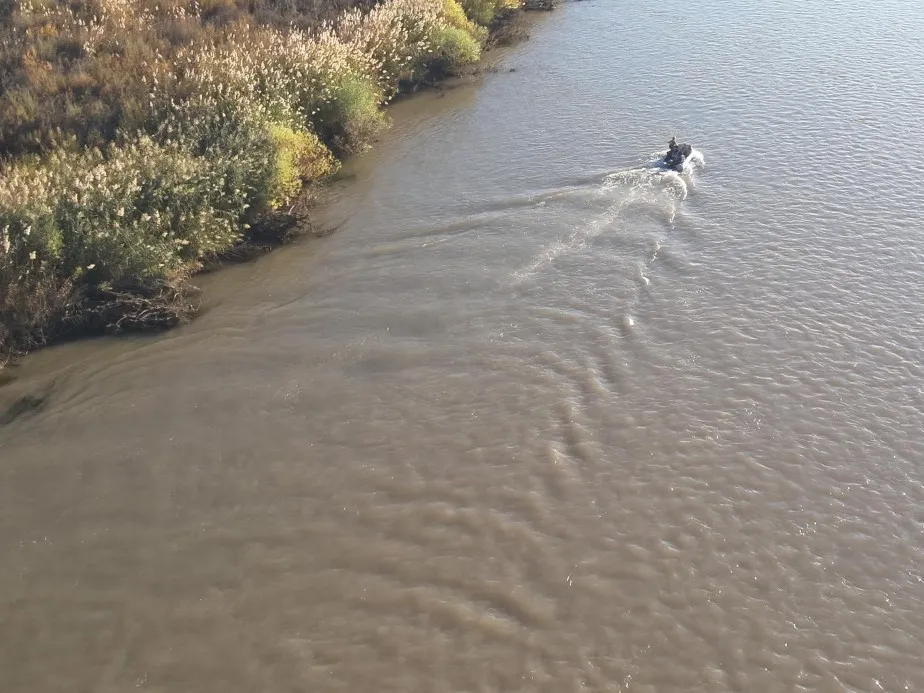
(142, 141)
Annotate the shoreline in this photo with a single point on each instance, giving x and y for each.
(159, 304)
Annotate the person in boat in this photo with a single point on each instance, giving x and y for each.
(673, 153)
(676, 153)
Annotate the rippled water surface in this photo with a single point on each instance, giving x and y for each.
(537, 417)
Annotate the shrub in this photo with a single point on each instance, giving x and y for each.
(293, 79)
(485, 11)
(455, 16)
(134, 212)
(300, 157)
(455, 48)
(352, 117)
(394, 34)
(32, 300)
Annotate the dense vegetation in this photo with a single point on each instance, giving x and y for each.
(139, 138)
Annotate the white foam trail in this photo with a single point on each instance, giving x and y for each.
(576, 240)
(653, 185)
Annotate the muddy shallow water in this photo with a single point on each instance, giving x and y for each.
(537, 417)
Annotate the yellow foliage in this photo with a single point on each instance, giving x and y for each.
(456, 17)
(456, 47)
(299, 157)
(484, 11)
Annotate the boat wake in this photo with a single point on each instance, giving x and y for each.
(651, 189)
(655, 174)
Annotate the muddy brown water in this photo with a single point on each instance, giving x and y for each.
(537, 417)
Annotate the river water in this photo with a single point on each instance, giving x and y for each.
(537, 417)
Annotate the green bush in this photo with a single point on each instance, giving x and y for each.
(352, 117)
(455, 48)
(456, 16)
(132, 212)
(33, 300)
(300, 157)
(485, 11)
